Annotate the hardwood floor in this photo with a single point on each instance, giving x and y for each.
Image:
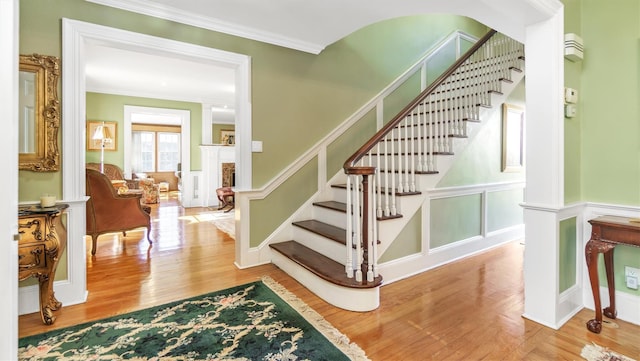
(468, 310)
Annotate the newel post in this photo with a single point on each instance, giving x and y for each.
(365, 226)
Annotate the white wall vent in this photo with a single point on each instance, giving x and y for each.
(573, 47)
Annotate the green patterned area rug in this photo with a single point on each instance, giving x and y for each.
(256, 321)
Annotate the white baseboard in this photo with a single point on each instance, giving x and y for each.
(414, 264)
(65, 292)
(627, 305)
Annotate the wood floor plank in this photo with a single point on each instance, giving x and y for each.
(468, 310)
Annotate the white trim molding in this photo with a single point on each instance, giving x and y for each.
(75, 36)
(9, 66)
(209, 23)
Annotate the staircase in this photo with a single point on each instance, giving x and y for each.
(335, 252)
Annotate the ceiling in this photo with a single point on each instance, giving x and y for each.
(307, 26)
(125, 72)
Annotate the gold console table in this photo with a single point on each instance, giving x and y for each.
(42, 240)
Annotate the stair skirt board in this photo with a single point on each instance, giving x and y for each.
(351, 299)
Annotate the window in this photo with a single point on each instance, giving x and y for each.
(155, 148)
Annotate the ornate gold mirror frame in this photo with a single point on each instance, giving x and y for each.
(39, 110)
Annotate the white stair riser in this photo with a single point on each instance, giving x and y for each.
(351, 299)
(320, 244)
(330, 216)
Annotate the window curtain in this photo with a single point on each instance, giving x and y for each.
(136, 152)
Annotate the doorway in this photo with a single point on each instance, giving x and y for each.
(76, 36)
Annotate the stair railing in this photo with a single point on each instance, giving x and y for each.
(407, 145)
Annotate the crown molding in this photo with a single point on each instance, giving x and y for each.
(151, 8)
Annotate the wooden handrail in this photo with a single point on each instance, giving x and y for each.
(350, 165)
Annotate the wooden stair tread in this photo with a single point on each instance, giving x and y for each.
(336, 206)
(320, 265)
(385, 191)
(342, 207)
(326, 230)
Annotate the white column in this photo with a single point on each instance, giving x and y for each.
(544, 195)
(9, 191)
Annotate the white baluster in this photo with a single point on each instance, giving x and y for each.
(398, 174)
(412, 179)
(419, 125)
(431, 134)
(391, 190)
(377, 176)
(407, 155)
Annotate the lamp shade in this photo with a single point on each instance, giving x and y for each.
(102, 133)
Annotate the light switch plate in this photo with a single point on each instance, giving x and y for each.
(570, 95)
(256, 146)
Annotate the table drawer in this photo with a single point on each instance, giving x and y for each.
(31, 256)
(31, 229)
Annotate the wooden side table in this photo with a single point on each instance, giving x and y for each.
(606, 233)
(43, 238)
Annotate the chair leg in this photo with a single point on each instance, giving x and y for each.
(94, 244)
(149, 235)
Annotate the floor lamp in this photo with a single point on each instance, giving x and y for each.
(103, 134)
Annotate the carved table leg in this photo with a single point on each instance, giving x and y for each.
(46, 297)
(608, 264)
(592, 249)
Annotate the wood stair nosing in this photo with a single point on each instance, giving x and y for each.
(418, 138)
(342, 207)
(475, 92)
(320, 265)
(385, 190)
(475, 67)
(333, 205)
(328, 231)
(452, 86)
(434, 122)
(486, 65)
(436, 113)
(415, 153)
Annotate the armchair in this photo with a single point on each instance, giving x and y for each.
(108, 211)
(113, 173)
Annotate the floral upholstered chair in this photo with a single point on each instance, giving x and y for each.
(150, 190)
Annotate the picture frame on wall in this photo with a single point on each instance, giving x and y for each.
(102, 131)
(227, 137)
(512, 138)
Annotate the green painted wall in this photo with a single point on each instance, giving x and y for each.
(454, 219)
(567, 254)
(109, 107)
(609, 104)
(409, 241)
(481, 161)
(602, 144)
(622, 256)
(572, 126)
(349, 141)
(399, 98)
(503, 209)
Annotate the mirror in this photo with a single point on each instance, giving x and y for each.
(39, 113)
